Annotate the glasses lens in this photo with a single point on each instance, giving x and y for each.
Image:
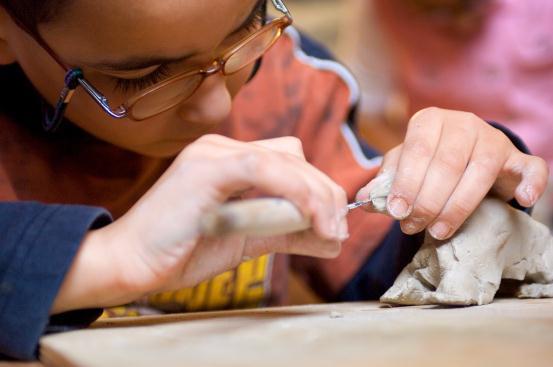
(252, 50)
(165, 97)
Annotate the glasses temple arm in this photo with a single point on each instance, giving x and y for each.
(101, 100)
(281, 7)
(73, 79)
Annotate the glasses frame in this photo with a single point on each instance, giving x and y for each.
(217, 65)
(75, 77)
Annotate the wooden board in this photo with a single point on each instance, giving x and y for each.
(506, 333)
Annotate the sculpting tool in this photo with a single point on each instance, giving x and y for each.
(259, 217)
(357, 204)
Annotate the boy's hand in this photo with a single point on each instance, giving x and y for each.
(447, 164)
(157, 244)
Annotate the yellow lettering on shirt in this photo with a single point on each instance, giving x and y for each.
(244, 287)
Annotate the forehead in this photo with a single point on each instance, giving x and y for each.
(89, 29)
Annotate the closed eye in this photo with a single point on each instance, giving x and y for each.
(134, 85)
(122, 85)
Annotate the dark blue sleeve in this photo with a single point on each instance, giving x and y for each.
(37, 245)
(381, 268)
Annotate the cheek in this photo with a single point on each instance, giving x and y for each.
(236, 81)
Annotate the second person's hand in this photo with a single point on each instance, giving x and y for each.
(447, 164)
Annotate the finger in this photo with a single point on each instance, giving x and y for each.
(328, 200)
(293, 146)
(481, 172)
(388, 168)
(526, 181)
(236, 248)
(305, 243)
(222, 254)
(444, 173)
(332, 197)
(279, 175)
(421, 141)
(339, 197)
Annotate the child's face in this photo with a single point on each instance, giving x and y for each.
(105, 37)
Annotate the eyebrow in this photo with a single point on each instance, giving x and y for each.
(143, 62)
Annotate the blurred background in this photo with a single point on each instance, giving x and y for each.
(323, 19)
(350, 30)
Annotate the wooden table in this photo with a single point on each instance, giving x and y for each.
(506, 333)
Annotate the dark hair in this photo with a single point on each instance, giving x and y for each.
(30, 13)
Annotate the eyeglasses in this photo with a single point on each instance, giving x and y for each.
(170, 92)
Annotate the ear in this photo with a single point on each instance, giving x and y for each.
(6, 54)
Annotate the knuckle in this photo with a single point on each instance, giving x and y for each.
(402, 186)
(425, 212)
(466, 121)
(184, 167)
(209, 144)
(472, 118)
(422, 115)
(418, 148)
(191, 153)
(252, 161)
(452, 161)
(427, 111)
(485, 165)
(457, 213)
(210, 138)
(295, 143)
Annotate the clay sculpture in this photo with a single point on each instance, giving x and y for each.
(496, 242)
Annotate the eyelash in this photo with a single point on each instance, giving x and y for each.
(134, 85)
(162, 72)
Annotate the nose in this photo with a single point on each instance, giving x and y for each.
(211, 103)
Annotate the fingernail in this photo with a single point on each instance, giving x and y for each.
(440, 230)
(529, 195)
(364, 193)
(398, 208)
(409, 227)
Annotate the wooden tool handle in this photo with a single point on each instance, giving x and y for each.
(255, 217)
